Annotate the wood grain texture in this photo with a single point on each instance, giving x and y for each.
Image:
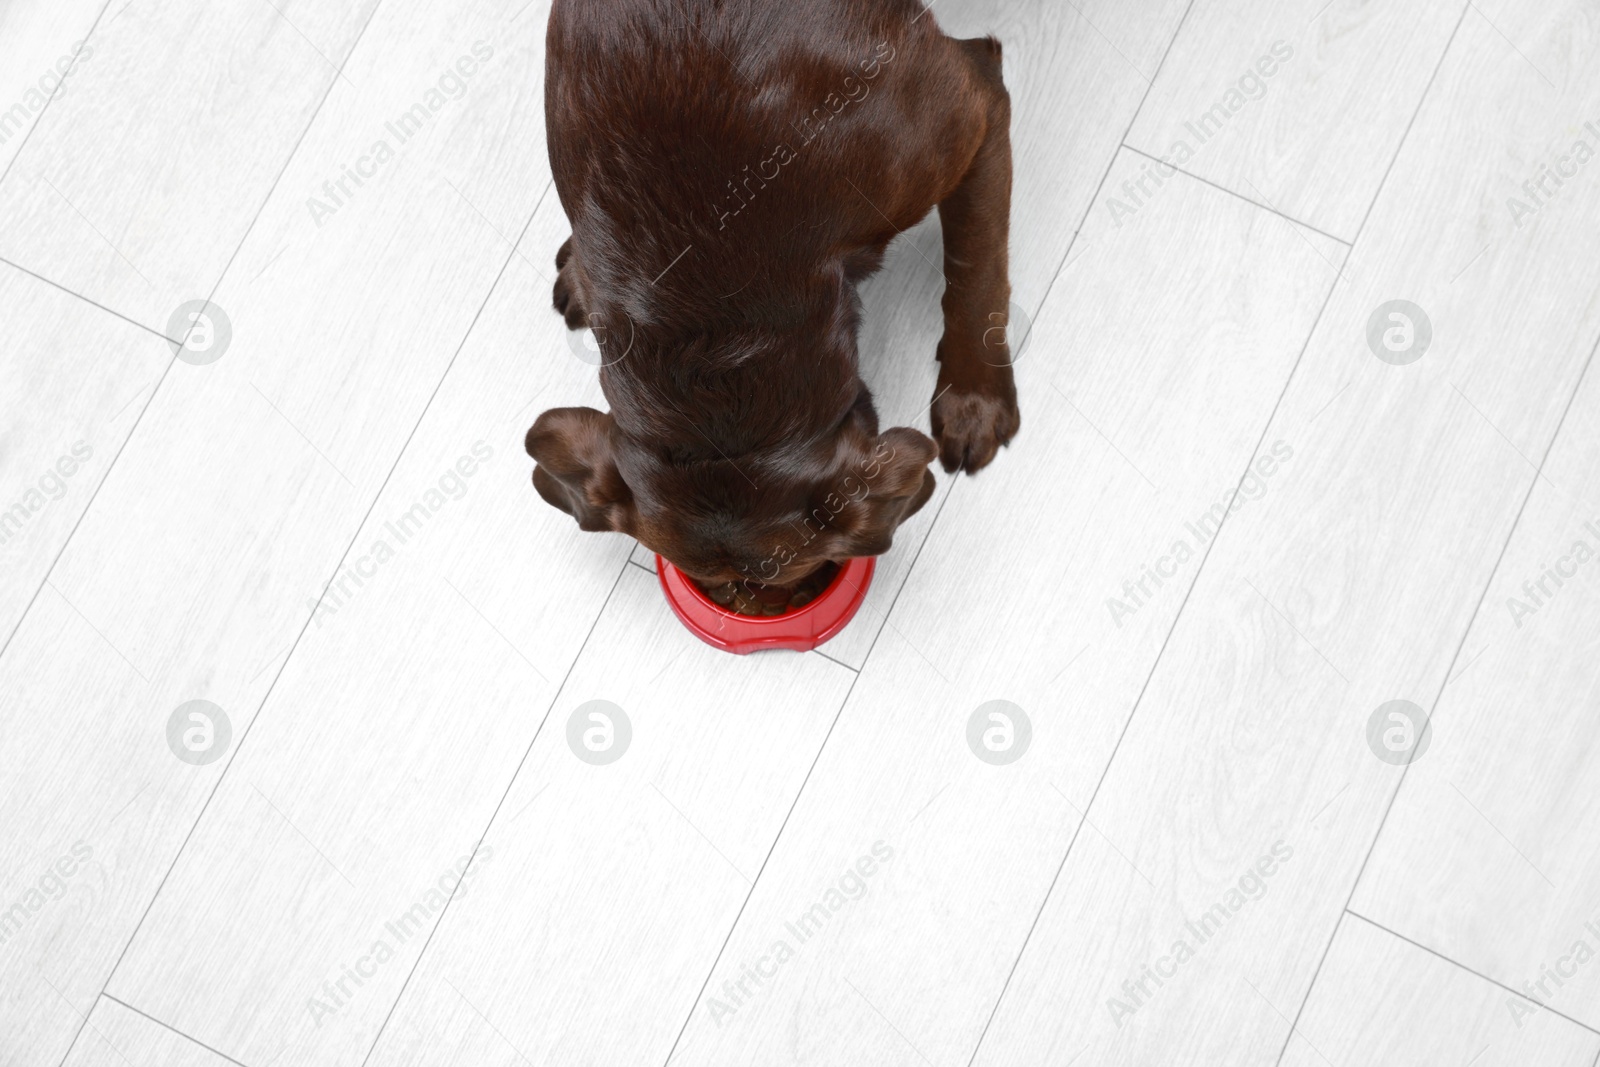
(1351, 585)
(118, 1037)
(73, 381)
(39, 42)
(142, 179)
(1076, 76)
(454, 636)
(911, 970)
(1308, 127)
(1380, 1000)
(190, 577)
(610, 887)
(932, 908)
(1488, 856)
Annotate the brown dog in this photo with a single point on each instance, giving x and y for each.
(732, 170)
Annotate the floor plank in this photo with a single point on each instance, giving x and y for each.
(611, 885)
(916, 900)
(1380, 1000)
(1352, 585)
(118, 1037)
(1055, 60)
(1488, 855)
(39, 41)
(1314, 98)
(192, 574)
(911, 969)
(139, 183)
(73, 380)
(462, 638)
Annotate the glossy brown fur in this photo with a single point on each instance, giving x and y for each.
(732, 169)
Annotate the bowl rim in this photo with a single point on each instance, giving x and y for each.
(798, 631)
(765, 620)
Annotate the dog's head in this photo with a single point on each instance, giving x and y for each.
(772, 517)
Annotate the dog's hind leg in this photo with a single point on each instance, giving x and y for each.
(975, 407)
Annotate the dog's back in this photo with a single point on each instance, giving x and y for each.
(761, 135)
(731, 169)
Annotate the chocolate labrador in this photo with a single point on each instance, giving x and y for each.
(732, 170)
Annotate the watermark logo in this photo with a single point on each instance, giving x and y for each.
(848, 888)
(199, 732)
(1399, 333)
(1250, 887)
(600, 345)
(1552, 177)
(397, 533)
(49, 887)
(205, 329)
(1538, 592)
(1203, 129)
(851, 490)
(1143, 590)
(745, 189)
(50, 487)
(1399, 733)
(415, 922)
(1554, 977)
(50, 84)
(599, 732)
(999, 732)
(450, 85)
(1007, 336)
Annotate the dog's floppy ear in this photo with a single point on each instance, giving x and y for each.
(887, 481)
(577, 471)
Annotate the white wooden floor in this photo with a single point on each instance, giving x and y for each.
(1215, 838)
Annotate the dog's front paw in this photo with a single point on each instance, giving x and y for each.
(565, 295)
(971, 426)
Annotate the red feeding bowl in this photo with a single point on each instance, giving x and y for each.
(798, 629)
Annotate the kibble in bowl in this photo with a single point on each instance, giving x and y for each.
(742, 617)
(758, 600)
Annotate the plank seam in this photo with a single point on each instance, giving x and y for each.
(1463, 967)
(39, 118)
(266, 697)
(1289, 381)
(89, 504)
(1066, 257)
(1433, 708)
(79, 296)
(166, 1026)
(771, 850)
(1466, 632)
(1240, 196)
(555, 699)
(1154, 666)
